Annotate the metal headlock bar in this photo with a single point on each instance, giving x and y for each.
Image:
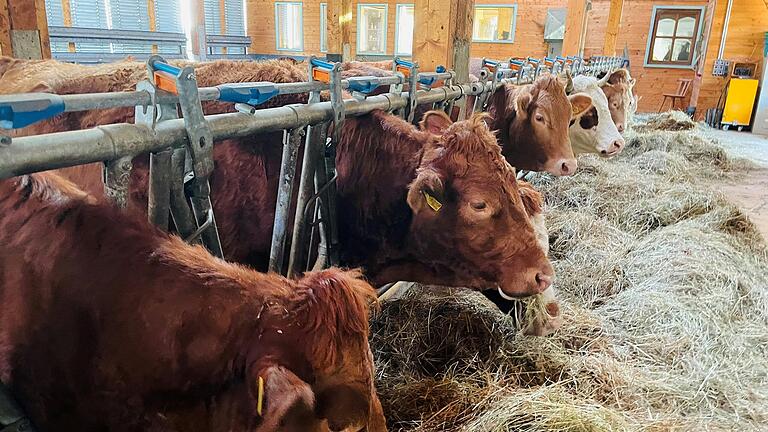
(181, 148)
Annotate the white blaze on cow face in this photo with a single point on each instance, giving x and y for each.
(594, 131)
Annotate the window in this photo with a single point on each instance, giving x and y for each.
(323, 27)
(494, 24)
(90, 14)
(288, 21)
(404, 30)
(371, 29)
(55, 13)
(672, 37)
(168, 19)
(129, 15)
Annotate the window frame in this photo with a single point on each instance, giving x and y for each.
(696, 39)
(397, 27)
(323, 26)
(360, 7)
(277, 26)
(513, 30)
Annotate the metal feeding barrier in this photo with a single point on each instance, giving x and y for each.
(181, 148)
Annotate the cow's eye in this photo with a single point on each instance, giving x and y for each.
(539, 118)
(478, 205)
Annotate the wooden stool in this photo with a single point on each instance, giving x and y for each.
(683, 85)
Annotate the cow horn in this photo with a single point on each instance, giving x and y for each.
(604, 80)
(568, 82)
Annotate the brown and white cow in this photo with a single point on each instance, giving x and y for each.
(107, 323)
(594, 131)
(622, 103)
(532, 123)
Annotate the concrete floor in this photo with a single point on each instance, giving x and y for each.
(751, 191)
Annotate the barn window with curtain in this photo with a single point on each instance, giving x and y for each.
(323, 27)
(404, 30)
(289, 26)
(672, 40)
(494, 24)
(372, 29)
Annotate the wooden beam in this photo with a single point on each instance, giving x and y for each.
(6, 47)
(442, 35)
(339, 30)
(707, 52)
(612, 31)
(223, 21)
(152, 20)
(28, 29)
(66, 12)
(575, 25)
(197, 35)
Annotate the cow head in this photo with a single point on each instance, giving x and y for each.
(594, 131)
(532, 121)
(310, 368)
(469, 224)
(621, 101)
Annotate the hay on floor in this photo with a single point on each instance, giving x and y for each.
(664, 294)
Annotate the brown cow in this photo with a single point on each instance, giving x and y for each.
(621, 100)
(436, 122)
(244, 199)
(533, 121)
(106, 323)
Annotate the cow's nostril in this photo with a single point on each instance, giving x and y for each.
(565, 168)
(620, 127)
(543, 281)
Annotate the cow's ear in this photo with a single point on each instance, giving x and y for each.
(522, 102)
(533, 200)
(435, 122)
(282, 400)
(580, 103)
(426, 192)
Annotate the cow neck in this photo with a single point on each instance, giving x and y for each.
(377, 160)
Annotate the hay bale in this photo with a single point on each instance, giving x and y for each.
(664, 297)
(667, 121)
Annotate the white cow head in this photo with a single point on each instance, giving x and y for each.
(594, 131)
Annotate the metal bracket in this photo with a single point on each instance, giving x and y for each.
(251, 93)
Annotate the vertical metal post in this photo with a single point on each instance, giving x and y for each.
(313, 153)
(291, 144)
(180, 212)
(117, 178)
(159, 202)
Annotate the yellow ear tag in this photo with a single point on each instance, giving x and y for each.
(433, 202)
(574, 110)
(260, 399)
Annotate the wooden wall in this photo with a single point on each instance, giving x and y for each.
(529, 31)
(744, 43)
(749, 20)
(633, 33)
(261, 26)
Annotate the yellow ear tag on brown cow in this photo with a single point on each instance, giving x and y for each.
(260, 398)
(433, 202)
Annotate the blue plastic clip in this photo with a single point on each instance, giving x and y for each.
(440, 69)
(406, 63)
(165, 67)
(21, 110)
(253, 93)
(363, 85)
(427, 79)
(322, 64)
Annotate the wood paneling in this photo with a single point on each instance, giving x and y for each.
(575, 23)
(612, 29)
(5, 29)
(28, 15)
(339, 25)
(633, 34)
(443, 34)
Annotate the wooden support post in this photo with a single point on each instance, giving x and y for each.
(339, 30)
(442, 35)
(5, 29)
(152, 20)
(575, 25)
(612, 30)
(66, 12)
(197, 17)
(708, 54)
(28, 29)
(223, 21)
